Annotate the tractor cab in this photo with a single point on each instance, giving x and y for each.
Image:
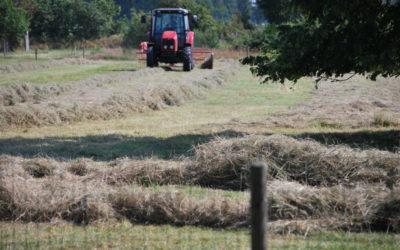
(171, 38)
(169, 21)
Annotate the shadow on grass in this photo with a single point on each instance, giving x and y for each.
(383, 140)
(107, 147)
(123, 70)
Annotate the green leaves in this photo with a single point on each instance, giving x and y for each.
(333, 39)
(13, 22)
(62, 21)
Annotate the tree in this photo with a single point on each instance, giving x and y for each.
(71, 21)
(137, 31)
(206, 21)
(13, 23)
(276, 11)
(333, 38)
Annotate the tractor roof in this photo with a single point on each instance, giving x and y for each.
(170, 10)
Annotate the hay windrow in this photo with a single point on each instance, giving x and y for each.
(225, 162)
(83, 190)
(35, 94)
(168, 207)
(355, 103)
(20, 67)
(104, 97)
(79, 200)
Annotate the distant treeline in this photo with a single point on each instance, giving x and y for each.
(66, 23)
(221, 10)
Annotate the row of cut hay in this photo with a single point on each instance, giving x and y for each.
(68, 198)
(351, 104)
(224, 163)
(292, 207)
(20, 67)
(145, 97)
(22, 92)
(34, 93)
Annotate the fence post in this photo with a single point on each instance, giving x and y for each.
(258, 206)
(36, 53)
(83, 52)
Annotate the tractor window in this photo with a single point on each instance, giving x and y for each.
(166, 21)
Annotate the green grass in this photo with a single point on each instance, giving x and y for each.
(68, 73)
(43, 55)
(128, 236)
(167, 134)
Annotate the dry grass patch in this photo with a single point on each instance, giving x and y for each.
(107, 97)
(224, 163)
(20, 67)
(351, 104)
(311, 187)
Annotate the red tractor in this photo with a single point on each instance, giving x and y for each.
(171, 39)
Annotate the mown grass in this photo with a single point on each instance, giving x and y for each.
(68, 73)
(199, 193)
(168, 133)
(127, 236)
(43, 55)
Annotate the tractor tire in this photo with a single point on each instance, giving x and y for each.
(187, 59)
(150, 61)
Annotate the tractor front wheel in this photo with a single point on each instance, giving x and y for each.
(187, 59)
(151, 62)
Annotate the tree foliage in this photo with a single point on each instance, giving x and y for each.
(332, 39)
(276, 11)
(205, 19)
(61, 21)
(137, 31)
(13, 22)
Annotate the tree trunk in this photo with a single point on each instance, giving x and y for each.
(27, 41)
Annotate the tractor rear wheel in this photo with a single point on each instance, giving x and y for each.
(150, 58)
(187, 59)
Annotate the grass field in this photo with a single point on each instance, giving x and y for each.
(172, 152)
(124, 235)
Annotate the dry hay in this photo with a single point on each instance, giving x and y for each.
(291, 206)
(326, 187)
(35, 94)
(34, 200)
(97, 99)
(147, 172)
(20, 93)
(351, 104)
(174, 207)
(89, 198)
(20, 67)
(224, 163)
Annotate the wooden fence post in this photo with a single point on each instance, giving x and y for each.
(83, 52)
(36, 54)
(258, 206)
